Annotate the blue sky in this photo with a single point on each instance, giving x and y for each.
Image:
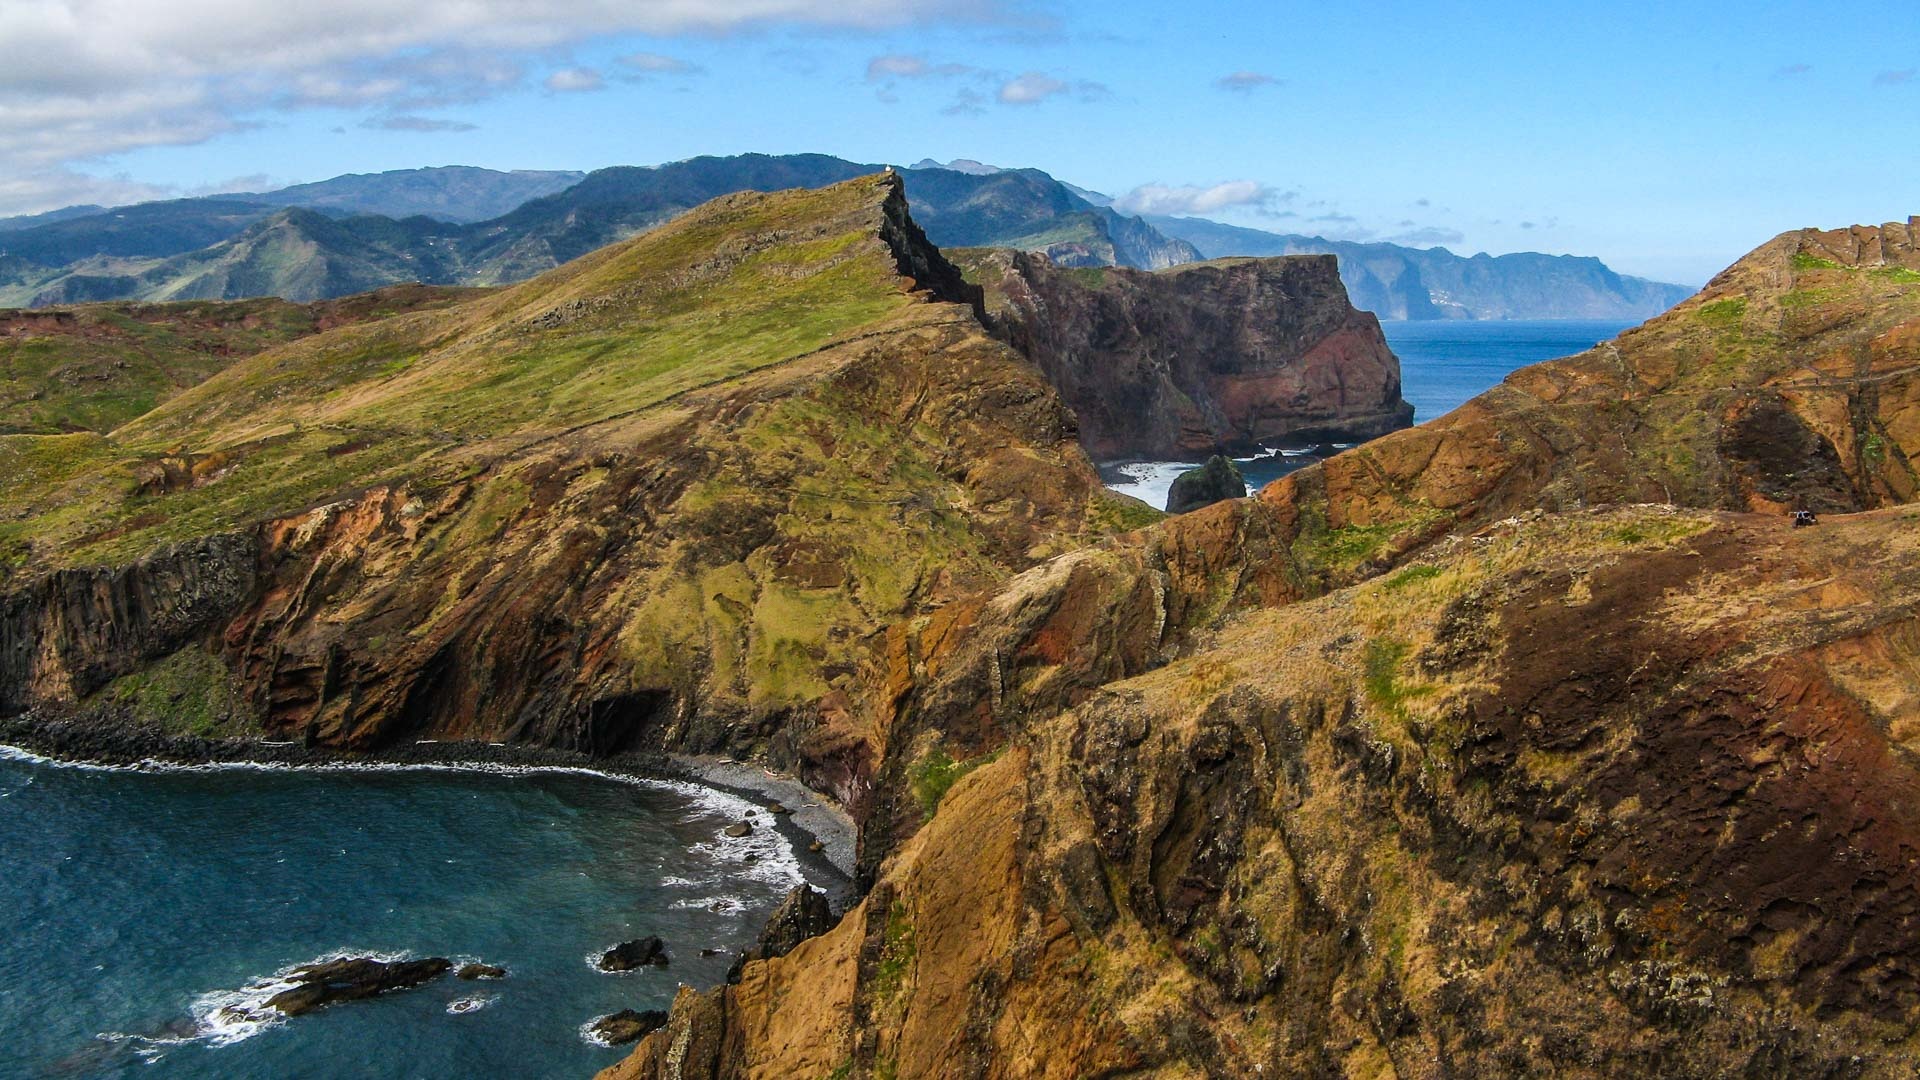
(1666, 138)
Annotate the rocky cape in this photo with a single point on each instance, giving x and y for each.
(1226, 355)
(1531, 740)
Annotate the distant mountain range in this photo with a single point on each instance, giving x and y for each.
(1396, 282)
(469, 226)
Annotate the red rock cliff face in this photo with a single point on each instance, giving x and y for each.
(1223, 355)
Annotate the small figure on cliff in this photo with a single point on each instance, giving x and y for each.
(1804, 518)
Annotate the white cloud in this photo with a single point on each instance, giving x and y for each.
(575, 80)
(1193, 199)
(87, 79)
(1031, 89)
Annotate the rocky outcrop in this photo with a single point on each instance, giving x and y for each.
(625, 1026)
(1216, 481)
(803, 914)
(633, 955)
(1211, 356)
(351, 979)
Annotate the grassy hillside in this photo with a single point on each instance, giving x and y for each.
(95, 367)
(618, 331)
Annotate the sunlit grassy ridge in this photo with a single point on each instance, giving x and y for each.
(742, 284)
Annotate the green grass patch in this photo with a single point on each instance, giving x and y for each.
(1804, 261)
(1873, 449)
(1806, 298)
(896, 953)
(1723, 314)
(1899, 275)
(1108, 512)
(189, 693)
(1412, 575)
(1381, 662)
(1655, 531)
(1093, 277)
(931, 777)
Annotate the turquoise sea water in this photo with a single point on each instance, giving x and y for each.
(1443, 364)
(138, 903)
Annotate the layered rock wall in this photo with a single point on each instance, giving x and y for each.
(1226, 355)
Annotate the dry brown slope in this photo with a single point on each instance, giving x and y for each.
(1625, 792)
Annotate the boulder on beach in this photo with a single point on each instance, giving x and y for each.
(738, 829)
(648, 951)
(352, 978)
(625, 1026)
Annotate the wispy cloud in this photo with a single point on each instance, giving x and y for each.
(1896, 78)
(1792, 71)
(1034, 87)
(405, 122)
(1187, 199)
(648, 63)
(903, 66)
(1245, 82)
(1426, 236)
(575, 80)
(87, 79)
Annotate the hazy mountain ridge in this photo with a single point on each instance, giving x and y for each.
(227, 242)
(460, 193)
(1398, 282)
(184, 247)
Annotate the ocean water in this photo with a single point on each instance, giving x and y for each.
(1446, 363)
(1443, 365)
(137, 903)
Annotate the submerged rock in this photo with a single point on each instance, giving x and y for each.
(480, 971)
(625, 1026)
(353, 978)
(648, 951)
(1216, 481)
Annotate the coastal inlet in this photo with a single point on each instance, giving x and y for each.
(152, 913)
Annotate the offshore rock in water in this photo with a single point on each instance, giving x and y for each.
(351, 979)
(635, 954)
(470, 972)
(625, 1026)
(1216, 481)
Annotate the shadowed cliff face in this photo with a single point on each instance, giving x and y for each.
(1212, 356)
(1418, 764)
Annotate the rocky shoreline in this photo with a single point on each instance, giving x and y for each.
(820, 833)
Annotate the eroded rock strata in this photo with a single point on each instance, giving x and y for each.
(1223, 355)
(1418, 764)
